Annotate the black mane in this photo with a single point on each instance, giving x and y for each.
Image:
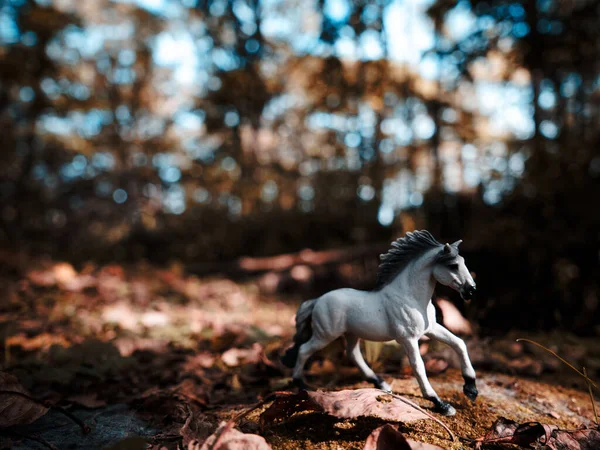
(403, 251)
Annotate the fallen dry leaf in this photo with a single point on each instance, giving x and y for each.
(388, 437)
(238, 356)
(18, 408)
(585, 439)
(231, 439)
(87, 400)
(453, 319)
(506, 431)
(347, 404)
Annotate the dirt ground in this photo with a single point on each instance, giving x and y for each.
(155, 357)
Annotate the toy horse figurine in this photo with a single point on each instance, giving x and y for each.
(399, 309)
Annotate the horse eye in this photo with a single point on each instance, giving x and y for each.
(453, 266)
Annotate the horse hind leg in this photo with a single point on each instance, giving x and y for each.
(355, 355)
(306, 350)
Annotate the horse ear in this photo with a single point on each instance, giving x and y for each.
(447, 248)
(457, 243)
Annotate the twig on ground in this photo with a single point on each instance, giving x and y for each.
(588, 381)
(591, 382)
(591, 397)
(418, 408)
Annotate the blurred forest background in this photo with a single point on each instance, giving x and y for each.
(205, 131)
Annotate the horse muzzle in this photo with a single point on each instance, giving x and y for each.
(467, 292)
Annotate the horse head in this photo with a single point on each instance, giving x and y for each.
(450, 270)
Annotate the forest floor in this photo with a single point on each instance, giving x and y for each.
(156, 358)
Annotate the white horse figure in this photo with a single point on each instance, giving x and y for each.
(399, 309)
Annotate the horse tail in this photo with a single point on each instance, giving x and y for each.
(303, 332)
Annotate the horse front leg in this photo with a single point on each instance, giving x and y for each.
(416, 362)
(458, 345)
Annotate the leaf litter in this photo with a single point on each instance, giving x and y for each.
(187, 354)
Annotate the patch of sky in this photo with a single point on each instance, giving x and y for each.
(79, 91)
(352, 140)
(385, 215)
(366, 192)
(423, 126)
(163, 160)
(346, 48)
(150, 126)
(120, 196)
(228, 164)
(231, 119)
(190, 121)
(416, 199)
(29, 38)
(471, 175)
(337, 10)
(306, 191)
(177, 50)
(214, 83)
(224, 59)
(103, 160)
(370, 45)
(353, 163)
(249, 28)
(57, 125)
(127, 57)
(492, 195)
(386, 145)
(201, 195)
(252, 46)
(174, 199)
(395, 196)
(26, 94)
(165, 8)
(520, 30)
(234, 205)
(429, 67)
(243, 12)
(170, 174)
(568, 87)
(516, 164)
(547, 99)
(9, 30)
(269, 191)
(549, 129)
(516, 10)
(469, 152)
(410, 31)
(460, 21)
(217, 8)
(122, 113)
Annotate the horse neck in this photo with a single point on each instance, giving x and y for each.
(416, 279)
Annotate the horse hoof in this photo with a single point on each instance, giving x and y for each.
(381, 384)
(470, 390)
(385, 387)
(444, 408)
